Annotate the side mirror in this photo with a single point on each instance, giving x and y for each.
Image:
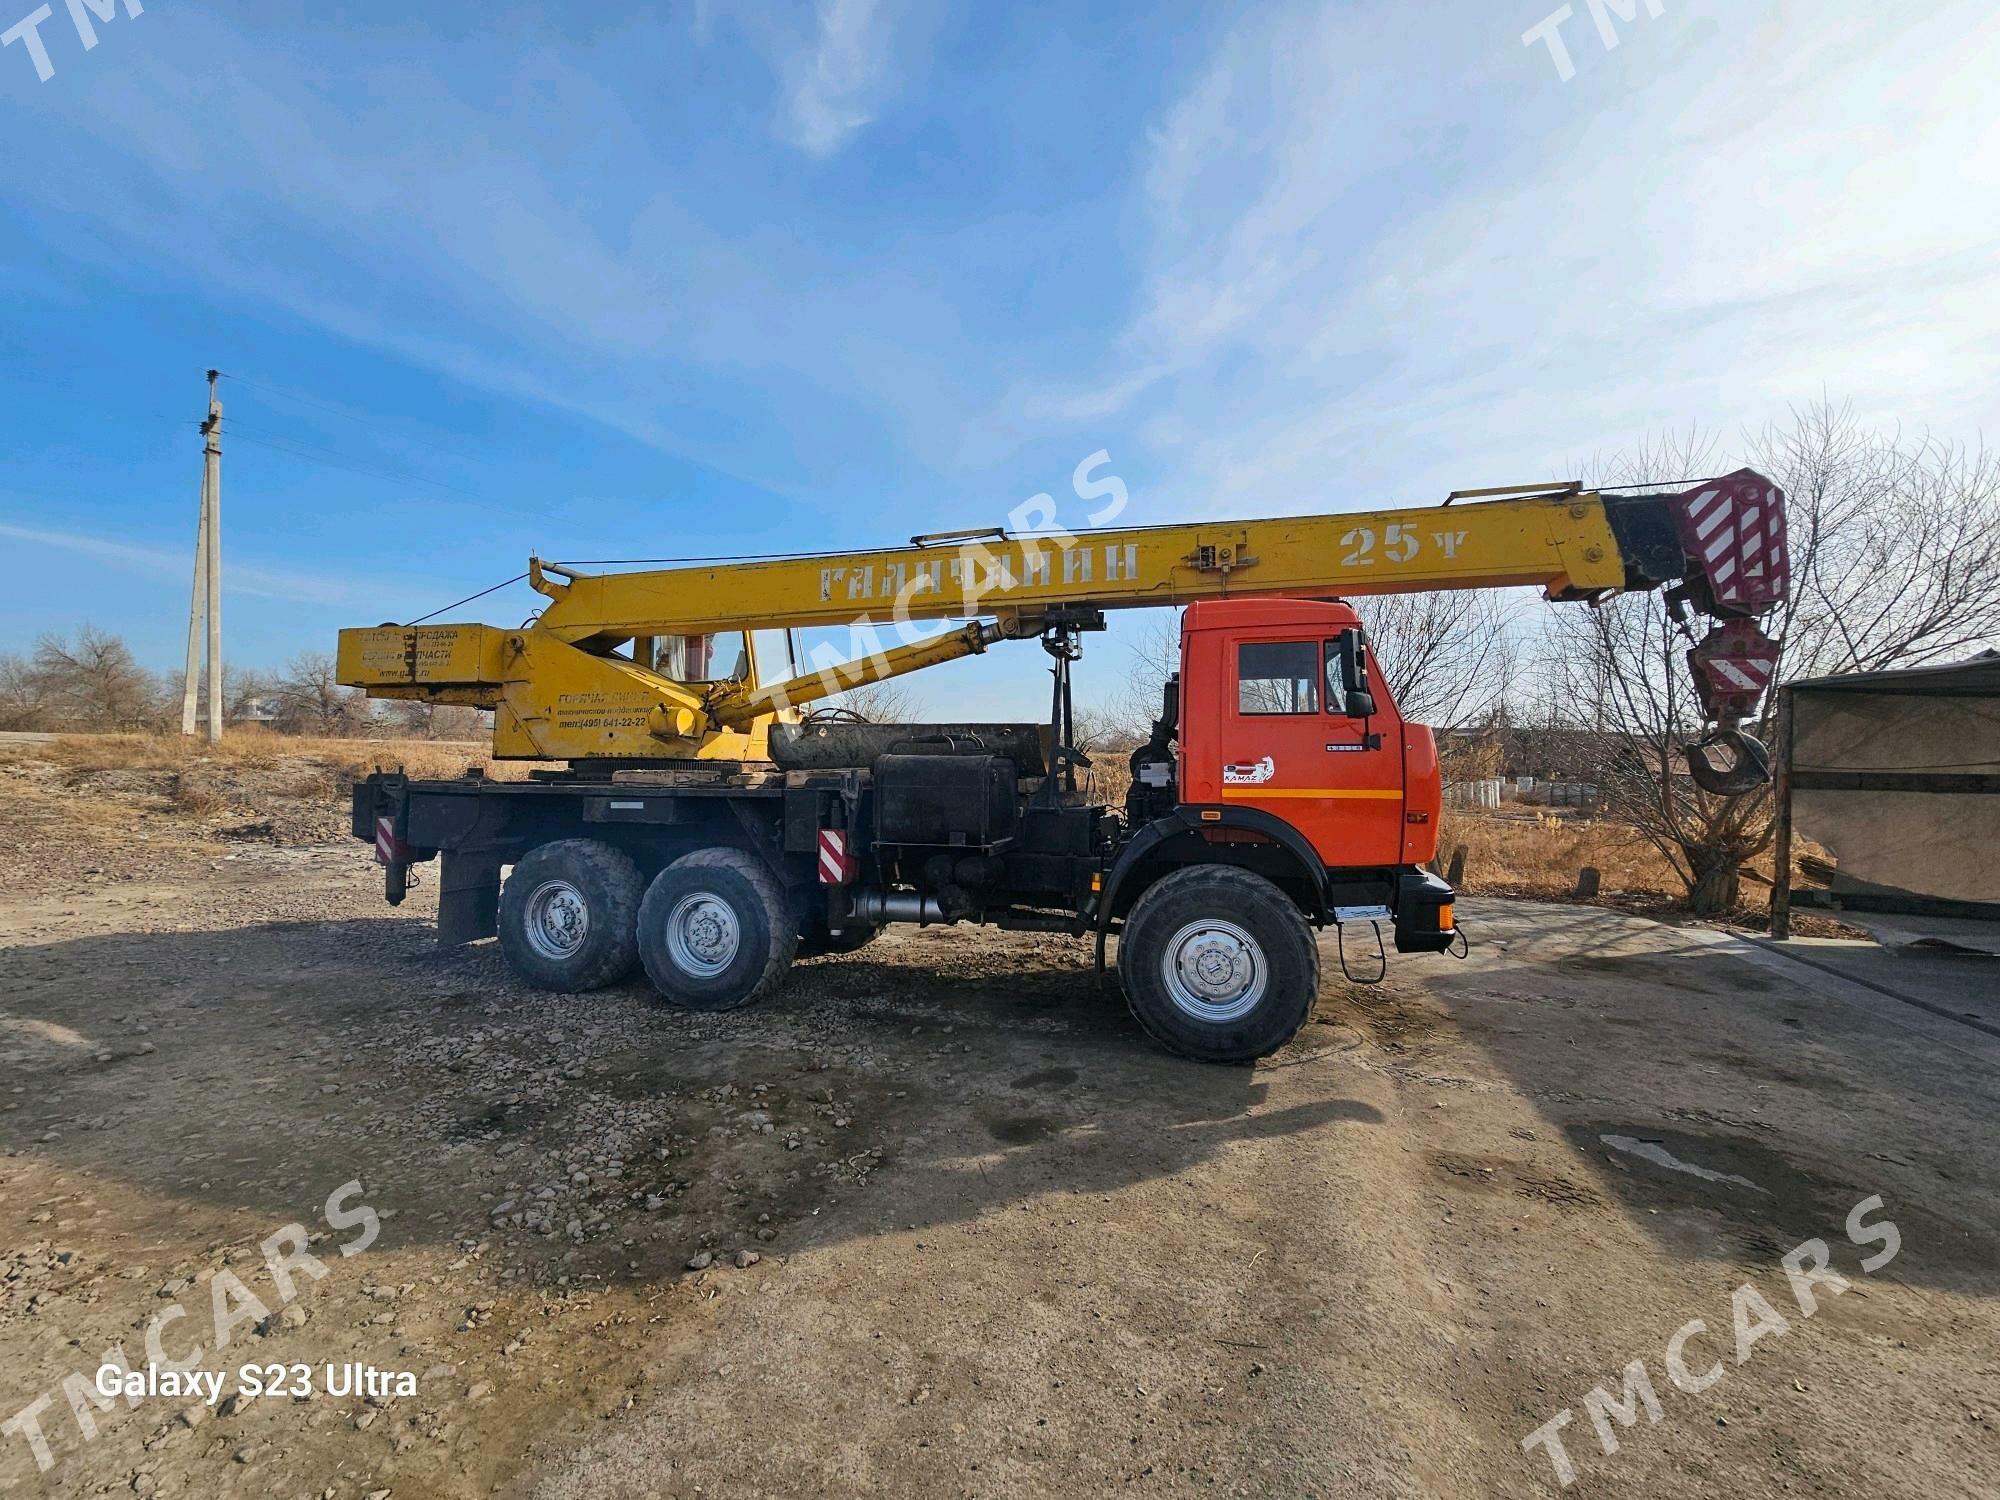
(1350, 652)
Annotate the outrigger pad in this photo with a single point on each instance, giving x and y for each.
(833, 744)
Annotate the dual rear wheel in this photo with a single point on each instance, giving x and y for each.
(1216, 962)
(713, 930)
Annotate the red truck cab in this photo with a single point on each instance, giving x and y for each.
(1294, 761)
(1285, 710)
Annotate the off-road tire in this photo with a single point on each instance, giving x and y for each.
(766, 935)
(564, 877)
(1262, 964)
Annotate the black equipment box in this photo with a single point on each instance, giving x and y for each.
(959, 801)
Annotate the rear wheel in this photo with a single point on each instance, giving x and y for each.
(1218, 964)
(569, 916)
(715, 930)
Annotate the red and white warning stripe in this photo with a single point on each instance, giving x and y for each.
(1733, 665)
(389, 849)
(836, 865)
(1735, 528)
(1751, 674)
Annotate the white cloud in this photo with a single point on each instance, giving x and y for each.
(835, 61)
(834, 86)
(249, 579)
(1390, 252)
(533, 236)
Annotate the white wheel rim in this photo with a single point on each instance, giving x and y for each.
(558, 920)
(703, 935)
(1214, 971)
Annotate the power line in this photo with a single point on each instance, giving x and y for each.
(610, 562)
(334, 458)
(466, 600)
(288, 395)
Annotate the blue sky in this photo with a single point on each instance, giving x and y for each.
(633, 281)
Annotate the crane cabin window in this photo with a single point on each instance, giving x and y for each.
(702, 658)
(1278, 677)
(777, 656)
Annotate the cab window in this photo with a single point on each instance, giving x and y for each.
(1278, 677)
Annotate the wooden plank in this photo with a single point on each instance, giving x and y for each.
(1947, 782)
(1781, 886)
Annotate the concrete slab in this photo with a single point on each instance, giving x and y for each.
(1927, 932)
(1957, 984)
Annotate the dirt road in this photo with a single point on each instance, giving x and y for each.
(991, 1242)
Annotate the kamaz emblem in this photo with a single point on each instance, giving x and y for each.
(1250, 775)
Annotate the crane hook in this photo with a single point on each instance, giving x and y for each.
(1748, 765)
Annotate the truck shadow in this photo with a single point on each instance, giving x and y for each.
(1731, 1111)
(255, 1069)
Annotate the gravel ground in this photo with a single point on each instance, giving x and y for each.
(937, 1220)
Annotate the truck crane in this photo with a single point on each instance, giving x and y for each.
(710, 824)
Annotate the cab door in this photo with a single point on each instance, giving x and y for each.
(1290, 748)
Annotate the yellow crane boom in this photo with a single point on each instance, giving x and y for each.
(593, 675)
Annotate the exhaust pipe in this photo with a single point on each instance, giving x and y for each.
(878, 907)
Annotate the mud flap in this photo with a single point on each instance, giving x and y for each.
(468, 896)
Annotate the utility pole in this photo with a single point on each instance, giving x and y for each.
(212, 481)
(191, 679)
(206, 596)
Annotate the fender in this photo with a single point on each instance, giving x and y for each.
(1188, 819)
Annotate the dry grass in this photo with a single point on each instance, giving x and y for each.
(287, 789)
(192, 794)
(1536, 854)
(324, 766)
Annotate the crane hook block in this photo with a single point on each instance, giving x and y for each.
(1746, 767)
(1732, 666)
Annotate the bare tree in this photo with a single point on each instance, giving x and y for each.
(311, 699)
(1152, 657)
(1448, 658)
(23, 696)
(1098, 731)
(890, 702)
(422, 720)
(1895, 544)
(92, 681)
(1895, 549)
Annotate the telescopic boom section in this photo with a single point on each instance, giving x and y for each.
(1564, 545)
(583, 681)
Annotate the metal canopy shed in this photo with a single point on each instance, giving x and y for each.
(1898, 774)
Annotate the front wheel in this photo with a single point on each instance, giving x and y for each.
(715, 930)
(569, 916)
(1218, 964)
